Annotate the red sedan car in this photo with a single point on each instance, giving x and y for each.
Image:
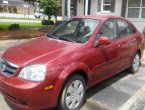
(58, 68)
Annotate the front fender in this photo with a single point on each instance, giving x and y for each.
(72, 68)
(68, 71)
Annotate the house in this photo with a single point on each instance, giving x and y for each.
(134, 10)
(16, 6)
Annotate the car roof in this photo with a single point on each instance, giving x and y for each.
(99, 17)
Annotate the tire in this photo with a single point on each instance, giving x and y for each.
(135, 63)
(73, 93)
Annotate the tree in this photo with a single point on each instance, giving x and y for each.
(31, 1)
(57, 9)
(51, 7)
(47, 5)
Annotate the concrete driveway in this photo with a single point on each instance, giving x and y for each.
(124, 91)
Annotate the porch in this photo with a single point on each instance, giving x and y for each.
(131, 9)
(90, 7)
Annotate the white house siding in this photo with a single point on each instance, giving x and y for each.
(118, 7)
(63, 8)
(94, 4)
(80, 8)
(139, 23)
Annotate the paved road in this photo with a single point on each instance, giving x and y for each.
(124, 91)
(20, 21)
(12, 15)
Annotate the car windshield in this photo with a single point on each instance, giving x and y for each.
(75, 30)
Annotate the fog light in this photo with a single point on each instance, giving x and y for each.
(22, 102)
(48, 87)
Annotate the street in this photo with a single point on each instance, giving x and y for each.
(124, 91)
(20, 21)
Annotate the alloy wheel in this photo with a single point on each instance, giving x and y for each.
(74, 94)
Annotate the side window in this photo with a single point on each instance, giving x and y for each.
(123, 28)
(132, 29)
(109, 30)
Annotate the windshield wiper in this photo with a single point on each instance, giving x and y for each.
(51, 36)
(66, 39)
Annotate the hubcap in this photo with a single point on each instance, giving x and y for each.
(136, 62)
(74, 94)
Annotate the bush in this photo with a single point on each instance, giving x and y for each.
(14, 9)
(5, 8)
(10, 9)
(47, 22)
(1, 9)
(14, 27)
(1, 28)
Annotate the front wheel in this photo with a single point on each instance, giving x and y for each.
(135, 63)
(73, 93)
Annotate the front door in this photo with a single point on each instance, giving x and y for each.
(109, 52)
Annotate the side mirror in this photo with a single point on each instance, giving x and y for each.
(104, 41)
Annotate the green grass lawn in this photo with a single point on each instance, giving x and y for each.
(5, 25)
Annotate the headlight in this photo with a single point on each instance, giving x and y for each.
(33, 73)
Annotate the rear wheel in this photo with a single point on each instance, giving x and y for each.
(73, 94)
(135, 63)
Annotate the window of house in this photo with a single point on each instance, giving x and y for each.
(136, 9)
(106, 6)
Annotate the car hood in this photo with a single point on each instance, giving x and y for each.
(37, 51)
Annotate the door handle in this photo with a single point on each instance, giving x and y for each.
(117, 46)
(133, 40)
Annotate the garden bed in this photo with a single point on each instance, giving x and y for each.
(24, 33)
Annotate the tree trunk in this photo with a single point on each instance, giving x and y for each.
(49, 18)
(55, 19)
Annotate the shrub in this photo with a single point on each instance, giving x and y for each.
(14, 27)
(1, 9)
(5, 8)
(14, 9)
(47, 22)
(10, 9)
(1, 28)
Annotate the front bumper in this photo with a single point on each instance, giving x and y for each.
(29, 95)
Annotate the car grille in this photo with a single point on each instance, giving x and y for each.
(6, 68)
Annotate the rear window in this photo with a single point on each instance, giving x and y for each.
(123, 28)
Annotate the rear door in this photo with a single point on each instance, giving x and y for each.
(127, 41)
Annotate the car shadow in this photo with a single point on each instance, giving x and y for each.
(93, 90)
(13, 107)
(106, 83)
